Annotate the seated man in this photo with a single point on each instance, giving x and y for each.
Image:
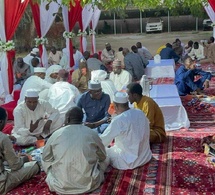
(107, 84)
(20, 169)
(151, 110)
(52, 73)
(130, 129)
(177, 47)
(185, 76)
(54, 56)
(35, 81)
(120, 77)
(108, 54)
(143, 51)
(120, 57)
(197, 52)
(34, 119)
(209, 51)
(74, 157)
(21, 70)
(134, 64)
(94, 63)
(62, 95)
(81, 76)
(168, 53)
(95, 104)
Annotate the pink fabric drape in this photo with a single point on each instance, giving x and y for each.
(13, 13)
(36, 15)
(74, 15)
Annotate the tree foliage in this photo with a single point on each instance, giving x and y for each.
(140, 4)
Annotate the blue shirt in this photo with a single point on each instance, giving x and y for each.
(95, 109)
(168, 53)
(184, 79)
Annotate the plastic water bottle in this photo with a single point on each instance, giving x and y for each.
(144, 82)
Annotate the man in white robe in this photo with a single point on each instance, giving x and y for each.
(130, 129)
(63, 95)
(121, 78)
(34, 119)
(35, 81)
(74, 157)
(106, 84)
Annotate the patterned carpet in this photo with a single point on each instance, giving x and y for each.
(179, 166)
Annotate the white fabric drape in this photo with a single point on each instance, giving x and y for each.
(87, 14)
(3, 58)
(66, 26)
(95, 20)
(211, 15)
(47, 17)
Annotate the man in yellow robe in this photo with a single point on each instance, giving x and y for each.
(151, 110)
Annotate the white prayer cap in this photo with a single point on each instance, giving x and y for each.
(120, 97)
(94, 85)
(98, 75)
(35, 50)
(39, 69)
(31, 93)
(117, 63)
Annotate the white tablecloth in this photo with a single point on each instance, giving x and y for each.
(166, 68)
(175, 115)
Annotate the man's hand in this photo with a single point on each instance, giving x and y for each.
(206, 84)
(90, 125)
(47, 126)
(35, 125)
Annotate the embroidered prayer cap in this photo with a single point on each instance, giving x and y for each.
(117, 63)
(120, 97)
(94, 85)
(31, 93)
(98, 75)
(39, 69)
(82, 64)
(107, 45)
(35, 50)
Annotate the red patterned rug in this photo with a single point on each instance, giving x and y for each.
(178, 167)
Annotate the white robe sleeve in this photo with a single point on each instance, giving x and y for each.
(52, 112)
(112, 131)
(19, 122)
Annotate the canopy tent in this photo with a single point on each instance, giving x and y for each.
(10, 15)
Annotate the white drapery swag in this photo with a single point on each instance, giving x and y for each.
(4, 91)
(95, 20)
(87, 14)
(211, 14)
(47, 17)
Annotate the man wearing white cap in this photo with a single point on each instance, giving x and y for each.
(33, 54)
(52, 73)
(63, 95)
(106, 84)
(121, 78)
(34, 119)
(35, 81)
(130, 129)
(95, 104)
